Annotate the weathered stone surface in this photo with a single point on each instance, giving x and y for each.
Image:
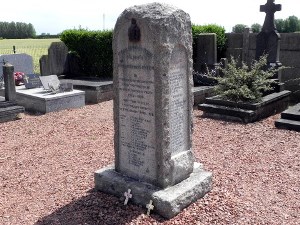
(167, 202)
(152, 79)
(153, 102)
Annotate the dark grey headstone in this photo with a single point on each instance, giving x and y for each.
(57, 58)
(32, 81)
(22, 62)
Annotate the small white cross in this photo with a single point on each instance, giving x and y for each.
(149, 207)
(127, 196)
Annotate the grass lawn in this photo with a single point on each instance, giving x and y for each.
(34, 47)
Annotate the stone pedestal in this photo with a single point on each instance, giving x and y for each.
(153, 111)
(9, 82)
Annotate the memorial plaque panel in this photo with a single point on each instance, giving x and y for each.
(51, 79)
(178, 114)
(32, 81)
(136, 113)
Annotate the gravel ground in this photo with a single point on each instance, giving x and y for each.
(47, 164)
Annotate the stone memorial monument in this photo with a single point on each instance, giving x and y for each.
(268, 40)
(153, 102)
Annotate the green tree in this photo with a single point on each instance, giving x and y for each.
(280, 25)
(293, 24)
(239, 28)
(256, 28)
(16, 30)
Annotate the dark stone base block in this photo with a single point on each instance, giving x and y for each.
(201, 93)
(217, 108)
(167, 202)
(290, 119)
(96, 91)
(9, 111)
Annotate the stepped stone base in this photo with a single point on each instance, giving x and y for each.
(167, 202)
(214, 107)
(9, 111)
(290, 118)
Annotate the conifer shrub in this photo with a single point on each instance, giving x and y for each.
(245, 83)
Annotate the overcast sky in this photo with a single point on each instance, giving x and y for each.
(54, 16)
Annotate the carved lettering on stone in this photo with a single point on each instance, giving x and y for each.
(136, 112)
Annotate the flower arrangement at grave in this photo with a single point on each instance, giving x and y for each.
(19, 78)
(245, 83)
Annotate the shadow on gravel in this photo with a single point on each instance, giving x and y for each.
(93, 209)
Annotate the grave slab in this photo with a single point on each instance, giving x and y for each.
(96, 91)
(42, 101)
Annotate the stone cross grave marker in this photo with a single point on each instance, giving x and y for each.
(269, 8)
(127, 196)
(149, 207)
(153, 102)
(268, 40)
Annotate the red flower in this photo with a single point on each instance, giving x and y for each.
(18, 76)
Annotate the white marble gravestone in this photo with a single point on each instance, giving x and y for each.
(153, 111)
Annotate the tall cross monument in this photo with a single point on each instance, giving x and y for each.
(268, 40)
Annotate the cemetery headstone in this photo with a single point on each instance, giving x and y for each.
(32, 81)
(22, 62)
(206, 60)
(268, 40)
(153, 111)
(56, 62)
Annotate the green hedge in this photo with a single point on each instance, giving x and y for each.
(94, 49)
(210, 28)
